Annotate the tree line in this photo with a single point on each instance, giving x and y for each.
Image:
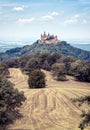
(58, 64)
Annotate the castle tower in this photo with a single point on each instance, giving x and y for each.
(41, 36)
(56, 38)
(44, 34)
(48, 36)
(52, 36)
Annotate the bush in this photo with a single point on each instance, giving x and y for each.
(83, 73)
(10, 100)
(12, 63)
(86, 120)
(36, 79)
(31, 65)
(59, 71)
(4, 70)
(85, 114)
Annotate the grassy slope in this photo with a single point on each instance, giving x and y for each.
(50, 108)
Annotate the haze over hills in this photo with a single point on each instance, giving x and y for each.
(7, 45)
(82, 46)
(46, 44)
(80, 43)
(10, 44)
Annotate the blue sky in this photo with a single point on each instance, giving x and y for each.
(27, 19)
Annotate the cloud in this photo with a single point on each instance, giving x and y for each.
(46, 17)
(50, 16)
(72, 20)
(25, 21)
(54, 13)
(76, 19)
(18, 8)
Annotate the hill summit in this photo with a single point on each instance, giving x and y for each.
(48, 39)
(46, 44)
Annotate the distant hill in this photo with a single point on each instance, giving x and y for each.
(61, 47)
(82, 46)
(7, 45)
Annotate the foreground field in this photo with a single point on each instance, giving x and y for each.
(50, 108)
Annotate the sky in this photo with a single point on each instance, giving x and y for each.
(27, 19)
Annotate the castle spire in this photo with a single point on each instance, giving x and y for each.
(44, 33)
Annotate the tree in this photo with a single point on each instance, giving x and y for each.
(4, 69)
(83, 73)
(36, 79)
(42, 58)
(31, 65)
(53, 57)
(75, 67)
(10, 100)
(46, 66)
(59, 71)
(85, 114)
(67, 60)
(12, 63)
(23, 60)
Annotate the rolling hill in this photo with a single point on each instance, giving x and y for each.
(61, 47)
(50, 108)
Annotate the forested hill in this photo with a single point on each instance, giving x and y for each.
(61, 47)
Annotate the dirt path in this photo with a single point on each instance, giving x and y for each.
(50, 108)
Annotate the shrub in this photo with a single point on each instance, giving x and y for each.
(86, 120)
(85, 114)
(10, 100)
(36, 79)
(59, 71)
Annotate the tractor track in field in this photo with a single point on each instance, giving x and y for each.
(50, 108)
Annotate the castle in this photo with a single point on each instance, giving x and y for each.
(48, 39)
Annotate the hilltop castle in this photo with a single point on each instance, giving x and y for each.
(48, 39)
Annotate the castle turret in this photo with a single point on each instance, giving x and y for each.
(56, 38)
(41, 37)
(48, 35)
(44, 34)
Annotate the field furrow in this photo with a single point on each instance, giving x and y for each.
(50, 108)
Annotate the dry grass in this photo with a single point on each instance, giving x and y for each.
(49, 108)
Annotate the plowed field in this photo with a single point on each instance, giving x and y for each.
(50, 108)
